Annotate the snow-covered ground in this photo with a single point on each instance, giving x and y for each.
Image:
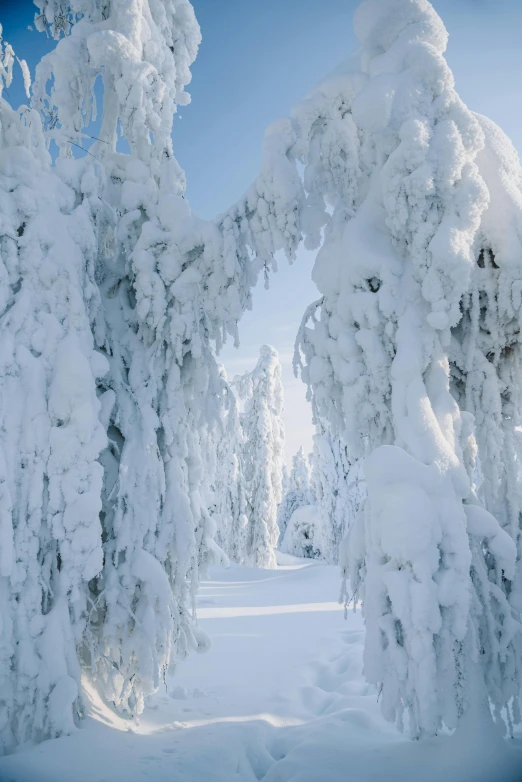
(280, 696)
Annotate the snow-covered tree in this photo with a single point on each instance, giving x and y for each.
(297, 491)
(155, 524)
(130, 292)
(338, 487)
(161, 289)
(51, 436)
(229, 486)
(414, 343)
(263, 434)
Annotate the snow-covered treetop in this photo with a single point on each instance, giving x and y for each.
(430, 138)
(142, 50)
(389, 145)
(379, 25)
(267, 371)
(300, 474)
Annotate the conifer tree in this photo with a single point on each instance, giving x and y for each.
(407, 352)
(230, 494)
(143, 292)
(51, 435)
(338, 490)
(298, 491)
(263, 435)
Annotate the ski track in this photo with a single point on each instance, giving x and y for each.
(279, 697)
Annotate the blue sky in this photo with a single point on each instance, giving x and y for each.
(257, 58)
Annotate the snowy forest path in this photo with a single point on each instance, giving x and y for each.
(279, 697)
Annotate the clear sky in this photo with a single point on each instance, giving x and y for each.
(257, 58)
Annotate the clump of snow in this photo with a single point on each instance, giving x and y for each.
(303, 534)
(26, 73)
